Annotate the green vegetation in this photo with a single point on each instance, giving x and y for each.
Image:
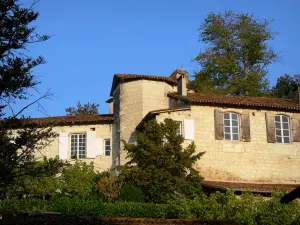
(237, 55)
(249, 209)
(160, 166)
(83, 110)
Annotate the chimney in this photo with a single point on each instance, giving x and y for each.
(296, 95)
(181, 85)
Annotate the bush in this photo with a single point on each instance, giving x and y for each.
(130, 193)
(78, 179)
(109, 187)
(249, 209)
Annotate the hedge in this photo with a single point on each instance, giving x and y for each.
(248, 209)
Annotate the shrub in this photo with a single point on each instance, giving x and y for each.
(78, 179)
(109, 188)
(249, 209)
(131, 193)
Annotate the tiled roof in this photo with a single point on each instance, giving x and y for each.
(130, 77)
(243, 186)
(125, 76)
(66, 120)
(238, 101)
(150, 115)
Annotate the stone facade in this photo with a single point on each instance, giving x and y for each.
(226, 160)
(103, 131)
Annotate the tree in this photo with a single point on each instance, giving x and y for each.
(159, 165)
(83, 110)
(19, 138)
(78, 179)
(237, 54)
(285, 85)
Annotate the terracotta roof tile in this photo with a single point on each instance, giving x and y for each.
(130, 77)
(169, 80)
(243, 186)
(66, 120)
(238, 101)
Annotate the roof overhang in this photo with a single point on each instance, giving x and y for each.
(119, 78)
(152, 114)
(247, 102)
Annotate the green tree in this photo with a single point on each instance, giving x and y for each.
(237, 54)
(78, 179)
(83, 110)
(17, 146)
(285, 85)
(159, 165)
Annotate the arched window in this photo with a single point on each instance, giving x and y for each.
(282, 126)
(231, 126)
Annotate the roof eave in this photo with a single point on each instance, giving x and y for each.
(234, 105)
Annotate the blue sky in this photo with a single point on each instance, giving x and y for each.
(94, 39)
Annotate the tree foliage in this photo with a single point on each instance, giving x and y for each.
(18, 138)
(83, 110)
(159, 165)
(285, 85)
(78, 179)
(237, 54)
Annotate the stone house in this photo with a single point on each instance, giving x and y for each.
(250, 142)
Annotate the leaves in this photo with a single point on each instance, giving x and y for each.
(237, 55)
(83, 110)
(285, 85)
(159, 165)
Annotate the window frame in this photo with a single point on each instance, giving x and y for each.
(282, 136)
(78, 146)
(180, 127)
(105, 151)
(231, 126)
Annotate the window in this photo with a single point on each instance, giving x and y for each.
(282, 127)
(78, 146)
(232, 126)
(107, 147)
(179, 128)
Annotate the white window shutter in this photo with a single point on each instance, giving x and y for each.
(100, 143)
(63, 146)
(91, 146)
(189, 130)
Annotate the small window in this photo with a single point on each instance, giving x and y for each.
(231, 126)
(78, 146)
(282, 128)
(179, 128)
(107, 147)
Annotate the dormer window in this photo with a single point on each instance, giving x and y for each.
(282, 128)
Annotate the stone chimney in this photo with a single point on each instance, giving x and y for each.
(181, 85)
(111, 105)
(296, 95)
(181, 76)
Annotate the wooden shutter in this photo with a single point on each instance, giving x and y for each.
(295, 122)
(245, 127)
(270, 124)
(189, 129)
(100, 148)
(63, 146)
(219, 125)
(91, 149)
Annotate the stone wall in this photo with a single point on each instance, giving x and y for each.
(254, 161)
(102, 131)
(137, 98)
